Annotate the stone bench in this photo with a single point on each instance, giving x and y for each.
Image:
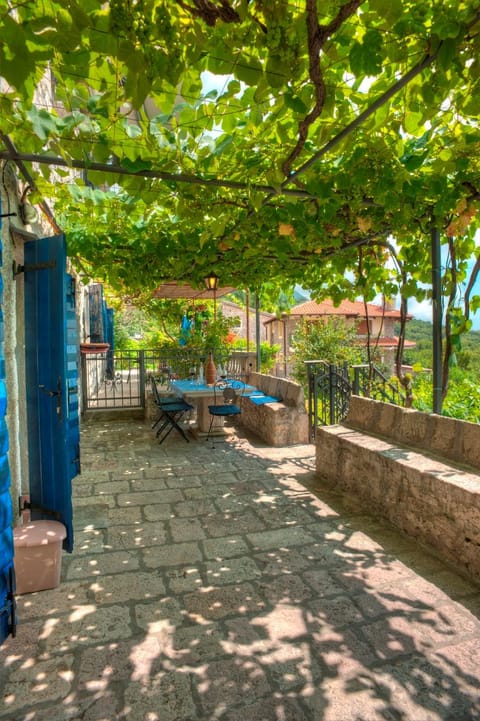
(278, 423)
(419, 471)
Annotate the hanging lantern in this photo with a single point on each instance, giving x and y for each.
(211, 281)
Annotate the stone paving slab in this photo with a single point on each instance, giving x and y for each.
(229, 585)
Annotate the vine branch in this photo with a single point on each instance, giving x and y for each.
(317, 36)
(210, 12)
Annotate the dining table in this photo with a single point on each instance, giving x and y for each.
(201, 396)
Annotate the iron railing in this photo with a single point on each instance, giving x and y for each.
(330, 387)
(369, 381)
(117, 379)
(113, 380)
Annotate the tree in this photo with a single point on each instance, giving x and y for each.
(331, 340)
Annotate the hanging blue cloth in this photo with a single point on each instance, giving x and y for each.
(185, 330)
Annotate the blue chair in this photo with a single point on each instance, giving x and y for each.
(171, 411)
(227, 401)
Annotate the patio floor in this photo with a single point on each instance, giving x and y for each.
(226, 584)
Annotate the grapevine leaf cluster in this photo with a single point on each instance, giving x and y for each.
(207, 126)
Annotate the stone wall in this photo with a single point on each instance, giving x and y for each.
(410, 468)
(284, 423)
(450, 438)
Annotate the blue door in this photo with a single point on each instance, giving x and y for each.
(7, 582)
(51, 342)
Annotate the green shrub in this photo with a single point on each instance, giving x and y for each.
(267, 356)
(462, 400)
(331, 340)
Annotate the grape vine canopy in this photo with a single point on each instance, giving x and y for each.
(280, 140)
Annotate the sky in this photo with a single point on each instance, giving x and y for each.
(423, 311)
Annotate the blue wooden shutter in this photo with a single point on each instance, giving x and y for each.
(52, 381)
(109, 339)
(96, 308)
(109, 328)
(71, 361)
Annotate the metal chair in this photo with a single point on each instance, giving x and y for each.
(171, 411)
(227, 402)
(160, 400)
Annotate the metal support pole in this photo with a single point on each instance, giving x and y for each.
(436, 321)
(257, 331)
(285, 348)
(142, 377)
(332, 384)
(247, 317)
(312, 402)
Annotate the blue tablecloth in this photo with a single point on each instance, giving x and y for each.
(187, 386)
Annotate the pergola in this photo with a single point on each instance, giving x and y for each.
(182, 291)
(179, 291)
(325, 134)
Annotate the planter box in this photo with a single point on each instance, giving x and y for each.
(38, 555)
(86, 348)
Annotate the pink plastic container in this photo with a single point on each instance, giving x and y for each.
(38, 555)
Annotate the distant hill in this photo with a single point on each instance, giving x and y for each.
(420, 331)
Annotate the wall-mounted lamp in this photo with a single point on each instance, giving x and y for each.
(211, 283)
(27, 213)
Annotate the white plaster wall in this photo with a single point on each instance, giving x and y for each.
(383, 326)
(14, 342)
(14, 234)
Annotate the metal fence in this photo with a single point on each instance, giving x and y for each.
(117, 379)
(330, 387)
(113, 380)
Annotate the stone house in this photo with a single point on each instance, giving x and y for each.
(247, 327)
(372, 321)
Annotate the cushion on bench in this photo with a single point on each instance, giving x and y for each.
(259, 399)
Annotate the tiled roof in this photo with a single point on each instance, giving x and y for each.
(347, 308)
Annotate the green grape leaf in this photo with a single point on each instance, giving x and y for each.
(248, 70)
(136, 165)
